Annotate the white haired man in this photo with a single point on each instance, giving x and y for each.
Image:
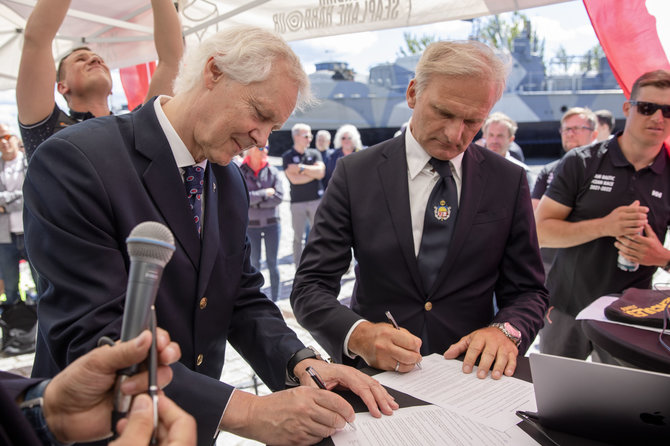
(170, 161)
(397, 204)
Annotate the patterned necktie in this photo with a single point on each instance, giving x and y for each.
(438, 223)
(193, 180)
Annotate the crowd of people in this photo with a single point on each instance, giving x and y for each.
(446, 234)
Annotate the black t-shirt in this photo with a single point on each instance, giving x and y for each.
(308, 191)
(543, 179)
(35, 134)
(594, 180)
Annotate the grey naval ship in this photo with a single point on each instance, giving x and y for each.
(534, 99)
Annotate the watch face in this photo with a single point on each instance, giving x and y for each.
(513, 331)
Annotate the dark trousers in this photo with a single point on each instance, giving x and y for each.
(270, 234)
(10, 255)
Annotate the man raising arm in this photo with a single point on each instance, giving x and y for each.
(82, 76)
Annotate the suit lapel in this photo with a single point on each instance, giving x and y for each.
(211, 234)
(163, 181)
(396, 192)
(472, 188)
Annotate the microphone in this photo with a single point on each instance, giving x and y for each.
(150, 247)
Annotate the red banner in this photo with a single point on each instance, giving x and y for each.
(628, 33)
(135, 81)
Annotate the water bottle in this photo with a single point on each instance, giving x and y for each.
(626, 265)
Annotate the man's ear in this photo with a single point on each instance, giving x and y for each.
(62, 88)
(212, 74)
(411, 94)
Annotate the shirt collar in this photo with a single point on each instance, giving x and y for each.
(417, 158)
(181, 154)
(619, 160)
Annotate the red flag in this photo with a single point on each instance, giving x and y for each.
(628, 32)
(135, 81)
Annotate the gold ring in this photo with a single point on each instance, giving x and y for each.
(397, 365)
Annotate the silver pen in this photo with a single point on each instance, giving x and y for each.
(391, 319)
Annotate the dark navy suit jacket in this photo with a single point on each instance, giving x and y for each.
(87, 187)
(494, 249)
(14, 427)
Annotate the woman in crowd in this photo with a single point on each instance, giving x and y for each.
(347, 141)
(265, 194)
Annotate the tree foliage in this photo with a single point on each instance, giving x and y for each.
(415, 44)
(500, 33)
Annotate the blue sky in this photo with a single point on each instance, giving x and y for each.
(564, 24)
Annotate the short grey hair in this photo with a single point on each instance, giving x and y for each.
(501, 118)
(245, 54)
(462, 59)
(298, 127)
(351, 130)
(584, 112)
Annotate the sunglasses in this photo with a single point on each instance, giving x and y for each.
(649, 108)
(7, 137)
(262, 149)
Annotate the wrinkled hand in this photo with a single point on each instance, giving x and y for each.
(175, 427)
(644, 249)
(78, 401)
(382, 346)
(492, 345)
(302, 415)
(625, 220)
(373, 394)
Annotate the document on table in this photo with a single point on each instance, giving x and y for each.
(425, 426)
(596, 312)
(443, 383)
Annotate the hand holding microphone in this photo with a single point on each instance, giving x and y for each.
(150, 247)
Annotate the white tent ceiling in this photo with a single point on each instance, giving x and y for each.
(121, 30)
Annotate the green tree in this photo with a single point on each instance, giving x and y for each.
(591, 60)
(562, 59)
(500, 33)
(415, 44)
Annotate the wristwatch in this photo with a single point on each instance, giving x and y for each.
(32, 410)
(667, 267)
(508, 330)
(302, 354)
(301, 168)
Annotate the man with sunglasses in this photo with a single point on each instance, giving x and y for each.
(607, 199)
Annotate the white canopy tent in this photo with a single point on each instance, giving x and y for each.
(121, 31)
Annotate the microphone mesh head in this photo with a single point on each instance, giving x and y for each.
(152, 242)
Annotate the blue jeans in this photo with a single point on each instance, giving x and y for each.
(10, 254)
(271, 235)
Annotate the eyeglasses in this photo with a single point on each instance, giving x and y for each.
(649, 108)
(263, 149)
(7, 137)
(574, 129)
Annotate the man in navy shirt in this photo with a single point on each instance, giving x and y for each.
(607, 199)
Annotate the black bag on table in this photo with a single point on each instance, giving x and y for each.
(639, 306)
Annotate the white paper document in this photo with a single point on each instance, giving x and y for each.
(425, 426)
(596, 312)
(442, 382)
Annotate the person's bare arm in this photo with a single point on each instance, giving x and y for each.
(553, 231)
(37, 73)
(303, 173)
(169, 47)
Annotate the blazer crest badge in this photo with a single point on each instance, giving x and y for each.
(442, 211)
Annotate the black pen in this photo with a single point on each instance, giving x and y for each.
(391, 319)
(153, 374)
(319, 382)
